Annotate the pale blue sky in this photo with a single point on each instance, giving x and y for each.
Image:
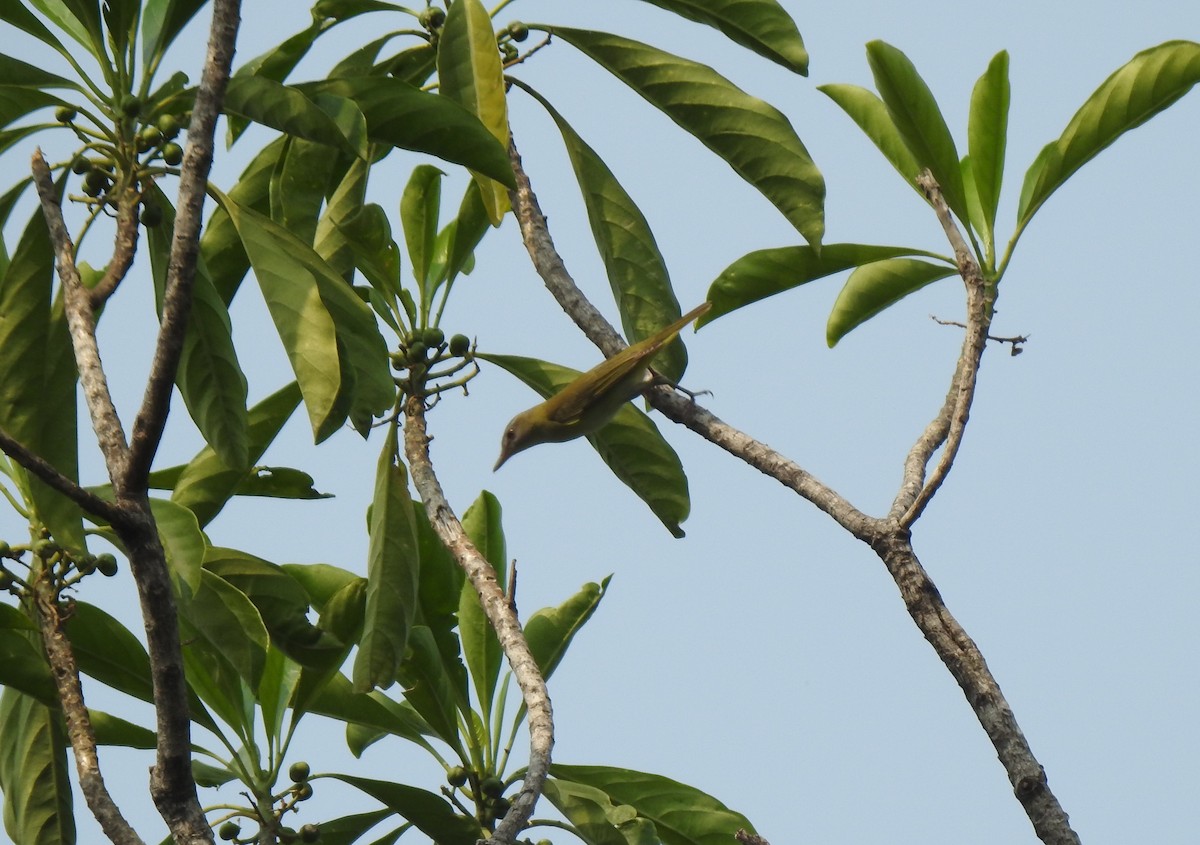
(767, 658)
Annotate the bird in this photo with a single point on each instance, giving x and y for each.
(591, 400)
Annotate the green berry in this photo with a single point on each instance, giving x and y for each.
(310, 833)
(172, 153)
(5, 548)
(147, 137)
(434, 338)
(456, 776)
(432, 17)
(416, 352)
(168, 125)
(499, 806)
(492, 787)
(80, 166)
(151, 215)
(460, 344)
(86, 564)
(229, 831)
(518, 31)
(299, 772)
(304, 791)
(130, 106)
(106, 564)
(7, 579)
(95, 182)
(65, 114)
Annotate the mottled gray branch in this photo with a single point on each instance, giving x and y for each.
(48, 473)
(500, 614)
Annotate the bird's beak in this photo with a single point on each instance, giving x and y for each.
(500, 462)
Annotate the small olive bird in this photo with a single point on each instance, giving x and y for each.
(590, 401)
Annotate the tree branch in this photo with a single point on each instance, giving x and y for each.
(558, 280)
(48, 473)
(965, 662)
(500, 615)
(950, 423)
(79, 724)
(124, 248)
(185, 245)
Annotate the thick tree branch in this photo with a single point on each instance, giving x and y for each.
(44, 470)
(185, 245)
(965, 662)
(50, 617)
(124, 249)
(951, 422)
(888, 537)
(500, 615)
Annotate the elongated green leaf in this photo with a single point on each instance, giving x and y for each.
(470, 74)
(207, 482)
(636, 270)
(337, 700)
(682, 815)
(107, 651)
(21, 74)
(162, 21)
(428, 812)
(33, 773)
(209, 376)
(401, 115)
(80, 23)
(301, 180)
(464, 233)
(287, 109)
(767, 272)
(226, 649)
(919, 120)
(393, 572)
(347, 201)
(874, 287)
(280, 678)
(17, 13)
(281, 602)
(23, 667)
(868, 111)
(760, 25)
(1137, 91)
(420, 205)
(16, 102)
(37, 393)
(184, 544)
(435, 685)
(753, 137)
(349, 829)
(987, 136)
(480, 646)
(113, 730)
(591, 812)
(329, 334)
(630, 444)
(551, 629)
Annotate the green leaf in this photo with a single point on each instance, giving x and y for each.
(549, 631)
(33, 773)
(868, 111)
(329, 334)
(464, 233)
(760, 25)
(470, 74)
(120, 17)
(591, 812)
(630, 444)
(435, 685)
(17, 13)
(77, 20)
(21, 74)
(16, 102)
(184, 544)
(280, 678)
(401, 115)
(209, 377)
(428, 812)
(23, 667)
(302, 178)
(109, 652)
(420, 205)
(919, 120)
(288, 109)
(636, 270)
(38, 391)
(987, 135)
(162, 21)
(1137, 91)
(113, 730)
(767, 272)
(337, 700)
(682, 815)
(207, 482)
(480, 646)
(393, 573)
(874, 287)
(753, 137)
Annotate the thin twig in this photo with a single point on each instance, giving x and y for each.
(44, 470)
(1016, 341)
(185, 244)
(948, 426)
(500, 615)
(79, 725)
